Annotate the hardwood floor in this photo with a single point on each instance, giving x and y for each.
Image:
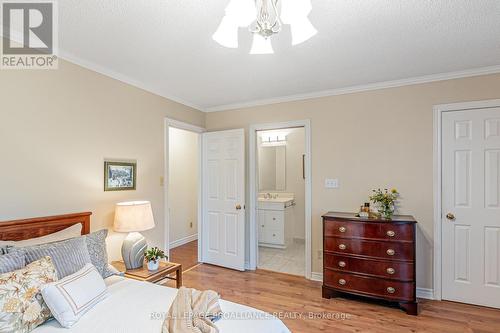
(292, 295)
(186, 255)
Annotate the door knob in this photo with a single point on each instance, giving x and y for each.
(238, 207)
(450, 216)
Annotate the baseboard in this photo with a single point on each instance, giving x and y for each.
(425, 293)
(183, 241)
(315, 276)
(421, 292)
(299, 240)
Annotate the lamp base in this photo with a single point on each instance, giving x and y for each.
(133, 248)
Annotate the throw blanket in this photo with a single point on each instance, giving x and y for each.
(192, 312)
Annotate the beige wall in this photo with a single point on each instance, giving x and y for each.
(368, 140)
(183, 183)
(56, 129)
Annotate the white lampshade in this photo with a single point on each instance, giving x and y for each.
(133, 216)
(227, 33)
(302, 30)
(261, 45)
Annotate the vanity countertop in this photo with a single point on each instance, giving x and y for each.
(279, 200)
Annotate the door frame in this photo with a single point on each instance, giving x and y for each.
(252, 142)
(437, 179)
(198, 130)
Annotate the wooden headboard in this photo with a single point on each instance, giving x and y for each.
(16, 230)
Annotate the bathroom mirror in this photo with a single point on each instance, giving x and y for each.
(272, 168)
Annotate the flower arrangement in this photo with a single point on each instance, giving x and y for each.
(153, 256)
(385, 200)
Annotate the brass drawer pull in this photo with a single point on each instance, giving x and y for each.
(391, 252)
(391, 290)
(390, 270)
(342, 282)
(342, 246)
(341, 263)
(391, 233)
(342, 229)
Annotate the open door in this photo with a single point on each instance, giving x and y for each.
(223, 198)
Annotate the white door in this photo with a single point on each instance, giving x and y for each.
(471, 206)
(223, 181)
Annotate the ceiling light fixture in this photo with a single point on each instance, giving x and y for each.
(264, 19)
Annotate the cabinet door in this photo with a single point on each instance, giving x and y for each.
(261, 219)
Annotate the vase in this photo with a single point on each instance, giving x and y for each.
(386, 211)
(153, 265)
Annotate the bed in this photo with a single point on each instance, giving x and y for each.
(133, 306)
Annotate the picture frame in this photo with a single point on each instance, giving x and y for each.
(120, 176)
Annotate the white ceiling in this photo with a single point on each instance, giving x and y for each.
(165, 46)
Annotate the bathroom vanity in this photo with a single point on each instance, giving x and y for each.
(275, 219)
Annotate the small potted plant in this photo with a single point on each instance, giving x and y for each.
(153, 257)
(385, 201)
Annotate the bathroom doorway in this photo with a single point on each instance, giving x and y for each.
(182, 187)
(281, 211)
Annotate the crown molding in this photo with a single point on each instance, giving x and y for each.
(360, 88)
(123, 78)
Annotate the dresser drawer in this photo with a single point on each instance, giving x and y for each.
(380, 268)
(394, 290)
(384, 231)
(385, 250)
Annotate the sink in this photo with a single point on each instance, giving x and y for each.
(282, 200)
(277, 201)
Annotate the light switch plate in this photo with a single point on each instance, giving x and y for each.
(331, 183)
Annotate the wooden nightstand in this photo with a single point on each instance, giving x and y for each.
(143, 274)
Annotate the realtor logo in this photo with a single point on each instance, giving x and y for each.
(29, 35)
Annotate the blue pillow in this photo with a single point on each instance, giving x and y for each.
(12, 261)
(68, 256)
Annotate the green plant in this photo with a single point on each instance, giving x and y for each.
(153, 254)
(384, 200)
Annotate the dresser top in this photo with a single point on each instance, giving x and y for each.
(353, 217)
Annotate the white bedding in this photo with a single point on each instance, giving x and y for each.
(135, 306)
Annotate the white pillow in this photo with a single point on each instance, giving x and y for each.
(70, 298)
(70, 232)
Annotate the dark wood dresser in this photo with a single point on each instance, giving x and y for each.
(370, 257)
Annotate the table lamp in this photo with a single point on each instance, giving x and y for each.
(132, 217)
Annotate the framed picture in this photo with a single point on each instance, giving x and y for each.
(119, 176)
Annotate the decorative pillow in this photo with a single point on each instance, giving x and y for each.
(11, 261)
(68, 256)
(96, 245)
(21, 305)
(70, 298)
(70, 232)
(111, 270)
